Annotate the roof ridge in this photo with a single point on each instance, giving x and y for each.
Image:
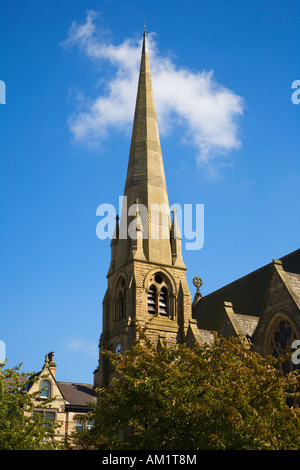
(74, 383)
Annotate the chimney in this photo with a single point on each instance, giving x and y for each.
(52, 365)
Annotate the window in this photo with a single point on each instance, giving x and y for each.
(281, 339)
(79, 425)
(121, 305)
(48, 416)
(89, 424)
(163, 298)
(120, 300)
(158, 300)
(45, 389)
(152, 300)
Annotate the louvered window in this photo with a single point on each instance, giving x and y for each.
(163, 299)
(152, 300)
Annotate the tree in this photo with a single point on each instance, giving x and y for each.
(20, 428)
(219, 396)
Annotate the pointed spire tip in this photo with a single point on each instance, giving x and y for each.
(145, 48)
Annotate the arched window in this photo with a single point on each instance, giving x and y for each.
(159, 298)
(281, 339)
(45, 389)
(121, 305)
(152, 296)
(120, 300)
(163, 301)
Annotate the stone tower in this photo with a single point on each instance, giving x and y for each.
(147, 276)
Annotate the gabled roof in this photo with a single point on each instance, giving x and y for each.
(77, 394)
(246, 294)
(197, 336)
(292, 282)
(247, 324)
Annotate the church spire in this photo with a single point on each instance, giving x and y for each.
(145, 48)
(147, 277)
(146, 177)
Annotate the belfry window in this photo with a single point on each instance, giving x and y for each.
(163, 301)
(159, 301)
(152, 296)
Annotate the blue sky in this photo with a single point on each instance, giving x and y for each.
(229, 137)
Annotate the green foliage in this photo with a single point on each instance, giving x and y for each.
(20, 429)
(219, 396)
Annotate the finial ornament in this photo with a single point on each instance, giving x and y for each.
(145, 27)
(197, 281)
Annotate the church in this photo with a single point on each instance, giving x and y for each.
(147, 275)
(146, 279)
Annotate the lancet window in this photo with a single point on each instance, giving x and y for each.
(120, 300)
(152, 297)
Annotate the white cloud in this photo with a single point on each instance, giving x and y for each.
(83, 346)
(206, 110)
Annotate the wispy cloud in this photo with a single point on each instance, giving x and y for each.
(206, 111)
(83, 346)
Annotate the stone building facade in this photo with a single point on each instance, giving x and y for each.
(69, 400)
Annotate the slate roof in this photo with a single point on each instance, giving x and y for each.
(292, 281)
(205, 336)
(77, 394)
(246, 294)
(247, 324)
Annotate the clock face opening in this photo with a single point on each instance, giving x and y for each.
(118, 348)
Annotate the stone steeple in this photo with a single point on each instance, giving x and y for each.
(145, 180)
(147, 276)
